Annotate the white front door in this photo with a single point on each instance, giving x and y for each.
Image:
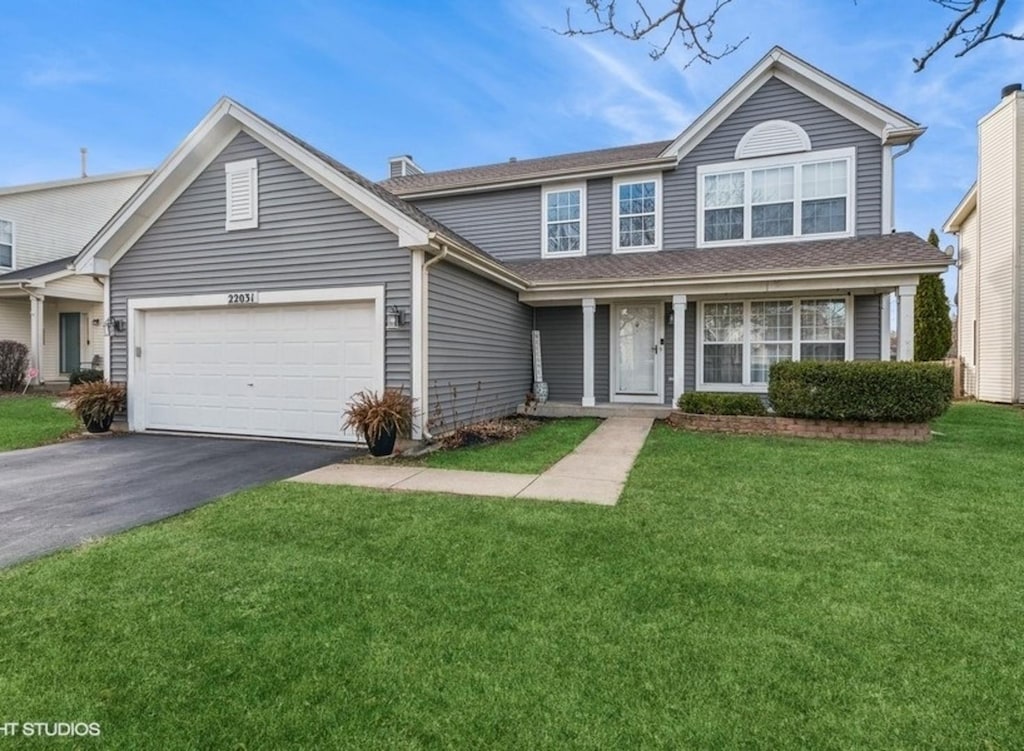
(637, 352)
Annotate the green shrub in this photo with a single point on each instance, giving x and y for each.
(85, 375)
(863, 391)
(714, 403)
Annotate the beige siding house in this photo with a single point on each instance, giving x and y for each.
(58, 315)
(989, 223)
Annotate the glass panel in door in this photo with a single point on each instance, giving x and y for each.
(70, 342)
(637, 355)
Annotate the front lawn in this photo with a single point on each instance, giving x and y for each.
(531, 453)
(746, 593)
(27, 421)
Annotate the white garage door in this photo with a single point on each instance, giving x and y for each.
(282, 371)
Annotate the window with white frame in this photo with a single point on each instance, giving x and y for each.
(740, 341)
(6, 244)
(564, 221)
(637, 212)
(797, 196)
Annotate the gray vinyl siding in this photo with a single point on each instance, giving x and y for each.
(599, 217)
(505, 223)
(867, 327)
(561, 346)
(307, 238)
(774, 101)
(480, 356)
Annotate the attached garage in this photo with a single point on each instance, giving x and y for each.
(277, 364)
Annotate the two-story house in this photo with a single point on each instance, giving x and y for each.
(989, 224)
(260, 282)
(43, 304)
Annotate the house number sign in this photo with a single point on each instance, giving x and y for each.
(243, 298)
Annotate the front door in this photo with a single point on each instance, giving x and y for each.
(637, 347)
(70, 342)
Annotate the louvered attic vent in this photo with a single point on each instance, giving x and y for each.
(771, 138)
(242, 180)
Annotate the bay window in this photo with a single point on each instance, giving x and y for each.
(564, 221)
(740, 341)
(637, 205)
(798, 196)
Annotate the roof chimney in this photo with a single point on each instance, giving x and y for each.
(85, 161)
(402, 165)
(512, 160)
(1013, 88)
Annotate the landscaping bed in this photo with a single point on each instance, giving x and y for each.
(800, 427)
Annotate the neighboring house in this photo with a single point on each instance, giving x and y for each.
(260, 283)
(43, 304)
(989, 224)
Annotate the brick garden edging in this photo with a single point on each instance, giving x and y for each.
(802, 428)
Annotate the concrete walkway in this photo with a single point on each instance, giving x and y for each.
(594, 473)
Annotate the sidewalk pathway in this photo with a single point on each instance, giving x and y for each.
(594, 473)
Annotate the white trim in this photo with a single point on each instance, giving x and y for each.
(678, 347)
(589, 306)
(962, 212)
(779, 126)
(797, 162)
(886, 123)
(419, 337)
(544, 223)
(888, 191)
(748, 386)
(199, 149)
(106, 336)
(36, 322)
(659, 357)
(14, 247)
(885, 326)
(136, 334)
(905, 332)
(250, 170)
(656, 178)
(73, 182)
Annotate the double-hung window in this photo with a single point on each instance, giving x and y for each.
(6, 244)
(799, 196)
(564, 221)
(740, 341)
(637, 213)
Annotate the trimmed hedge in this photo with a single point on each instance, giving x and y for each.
(715, 403)
(864, 391)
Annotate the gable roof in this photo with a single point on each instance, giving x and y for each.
(892, 127)
(962, 211)
(414, 228)
(33, 273)
(530, 170)
(897, 251)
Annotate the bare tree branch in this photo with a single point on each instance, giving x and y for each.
(694, 33)
(972, 26)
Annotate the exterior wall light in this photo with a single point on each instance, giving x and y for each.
(394, 318)
(114, 326)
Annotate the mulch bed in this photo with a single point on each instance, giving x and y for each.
(488, 431)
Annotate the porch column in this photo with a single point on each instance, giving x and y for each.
(588, 352)
(36, 334)
(678, 345)
(905, 345)
(885, 353)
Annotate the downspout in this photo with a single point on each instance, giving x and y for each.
(887, 306)
(424, 324)
(35, 332)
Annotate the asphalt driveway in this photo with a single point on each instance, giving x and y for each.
(57, 496)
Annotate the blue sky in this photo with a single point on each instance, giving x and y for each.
(456, 82)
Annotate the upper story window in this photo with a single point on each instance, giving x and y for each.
(637, 213)
(6, 244)
(794, 196)
(564, 221)
(243, 194)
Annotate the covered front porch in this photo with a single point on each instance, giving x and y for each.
(58, 316)
(642, 346)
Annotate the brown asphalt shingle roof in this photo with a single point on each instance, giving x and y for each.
(898, 249)
(525, 168)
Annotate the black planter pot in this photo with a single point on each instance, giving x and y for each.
(100, 425)
(385, 443)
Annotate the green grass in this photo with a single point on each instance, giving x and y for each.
(530, 453)
(746, 593)
(27, 421)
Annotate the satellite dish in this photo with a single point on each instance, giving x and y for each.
(949, 251)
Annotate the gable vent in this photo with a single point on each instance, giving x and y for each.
(242, 180)
(773, 137)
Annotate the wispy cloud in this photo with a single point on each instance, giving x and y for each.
(63, 70)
